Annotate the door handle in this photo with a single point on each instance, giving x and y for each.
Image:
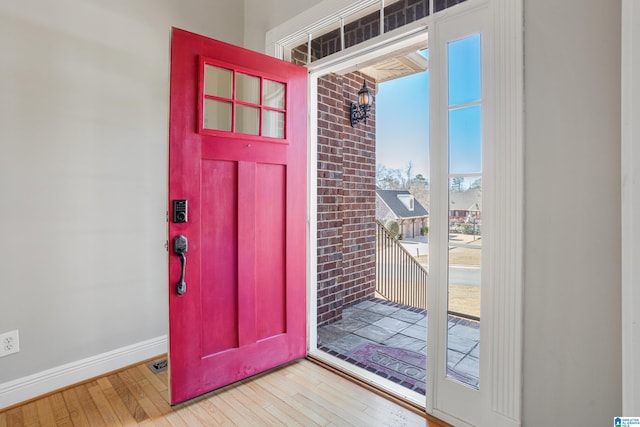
(180, 244)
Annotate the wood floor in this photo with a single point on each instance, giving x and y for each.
(300, 393)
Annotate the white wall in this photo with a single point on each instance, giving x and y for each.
(572, 362)
(630, 207)
(263, 15)
(84, 90)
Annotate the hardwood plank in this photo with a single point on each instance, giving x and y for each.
(217, 416)
(164, 377)
(88, 405)
(160, 402)
(300, 393)
(238, 414)
(282, 395)
(104, 407)
(30, 415)
(154, 379)
(195, 413)
(135, 383)
(276, 408)
(285, 393)
(258, 403)
(303, 403)
(76, 412)
(45, 412)
(128, 399)
(14, 417)
(121, 410)
(59, 408)
(309, 393)
(338, 397)
(175, 420)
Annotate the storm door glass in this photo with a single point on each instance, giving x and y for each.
(465, 210)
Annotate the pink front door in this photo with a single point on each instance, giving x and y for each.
(237, 178)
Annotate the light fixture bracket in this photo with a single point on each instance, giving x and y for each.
(359, 112)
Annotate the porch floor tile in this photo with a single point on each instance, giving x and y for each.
(392, 325)
(389, 339)
(408, 316)
(374, 333)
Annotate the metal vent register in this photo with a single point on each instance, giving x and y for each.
(159, 366)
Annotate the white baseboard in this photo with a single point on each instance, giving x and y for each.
(35, 385)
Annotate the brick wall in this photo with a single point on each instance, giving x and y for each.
(346, 198)
(396, 15)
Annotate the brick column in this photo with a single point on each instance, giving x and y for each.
(346, 199)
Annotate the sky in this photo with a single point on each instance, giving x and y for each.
(402, 115)
(402, 123)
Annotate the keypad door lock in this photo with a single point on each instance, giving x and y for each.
(180, 211)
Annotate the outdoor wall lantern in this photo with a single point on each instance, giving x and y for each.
(360, 111)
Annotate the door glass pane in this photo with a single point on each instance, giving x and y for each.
(273, 124)
(444, 4)
(465, 140)
(465, 210)
(464, 70)
(273, 95)
(465, 250)
(247, 120)
(217, 81)
(217, 115)
(247, 88)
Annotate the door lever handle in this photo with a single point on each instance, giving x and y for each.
(180, 244)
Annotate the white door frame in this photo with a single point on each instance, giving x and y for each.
(502, 305)
(630, 208)
(451, 396)
(351, 59)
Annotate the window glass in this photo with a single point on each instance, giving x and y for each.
(464, 70)
(464, 248)
(247, 88)
(273, 124)
(217, 81)
(247, 120)
(217, 115)
(273, 94)
(465, 140)
(256, 106)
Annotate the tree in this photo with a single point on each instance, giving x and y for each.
(419, 187)
(387, 178)
(456, 184)
(392, 227)
(409, 173)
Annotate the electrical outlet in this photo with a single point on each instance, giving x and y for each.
(9, 343)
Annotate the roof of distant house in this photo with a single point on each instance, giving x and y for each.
(468, 200)
(391, 199)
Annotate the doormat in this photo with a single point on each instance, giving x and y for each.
(159, 366)
(403, 367)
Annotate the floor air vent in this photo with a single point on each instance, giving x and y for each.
(158, 366)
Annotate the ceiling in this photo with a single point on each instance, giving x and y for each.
(396, 67)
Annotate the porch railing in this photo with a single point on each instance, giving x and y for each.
(399, 276)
